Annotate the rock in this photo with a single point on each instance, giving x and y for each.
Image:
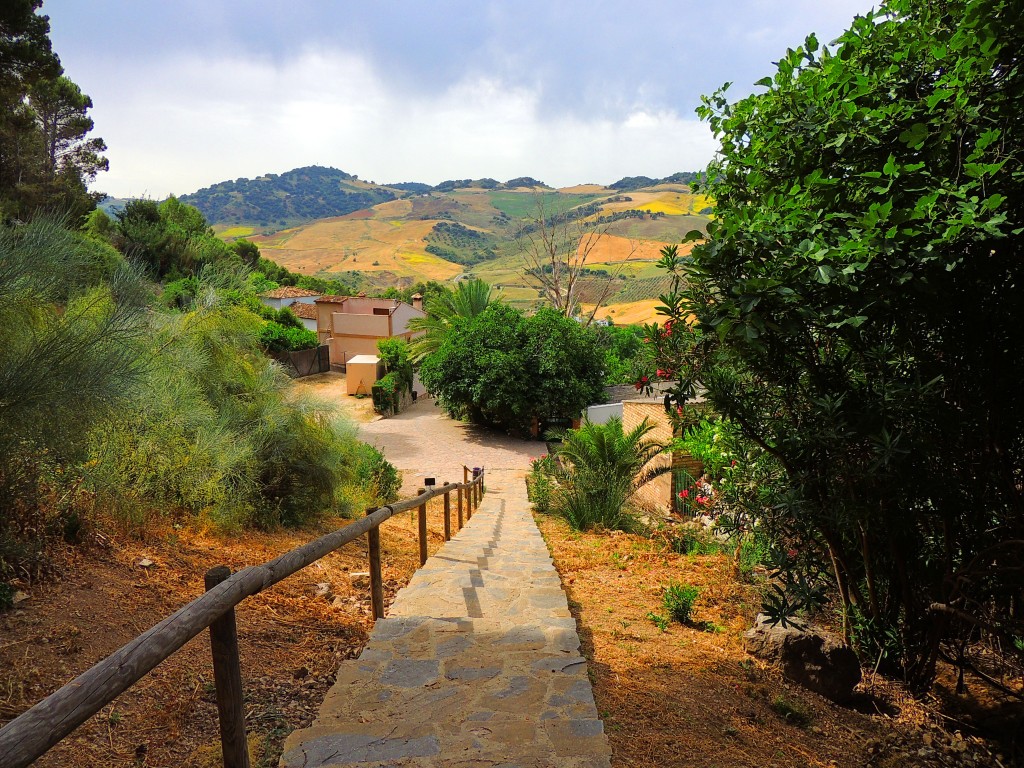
(146, 563)
(19, 597)
(807, 655)
(322, 589)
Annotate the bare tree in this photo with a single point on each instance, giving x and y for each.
(556, 246)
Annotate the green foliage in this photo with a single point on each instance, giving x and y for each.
(389, 389)
(275, 337)
(502, 368)
(678, 600)
(69, 352)
(600, 467)
(661, 622)
(377, 475)
(626, 356)
(690, 540)
(540, 483)
(443, 307)
(859, 296)
(460, 244)
(46, 161)
(216, 430)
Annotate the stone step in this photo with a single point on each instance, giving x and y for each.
(477, 663)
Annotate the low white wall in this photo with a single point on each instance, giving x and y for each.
(600, 414)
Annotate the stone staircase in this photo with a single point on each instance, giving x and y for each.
(477, 663)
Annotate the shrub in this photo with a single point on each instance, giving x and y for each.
(377, 475)
(601, 467)
(275, 337)
(678, 601)
(697, 541)
(540, 483)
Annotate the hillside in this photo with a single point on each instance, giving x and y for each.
(329, 223)
(380, 236)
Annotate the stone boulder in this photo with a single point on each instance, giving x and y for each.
(807, 655)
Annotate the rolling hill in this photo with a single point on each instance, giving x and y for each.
(326, 222)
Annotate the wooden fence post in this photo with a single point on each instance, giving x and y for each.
(465, 473)
(447, 514)
(227, 677)
(460, 507)
(376, 580)
(423, 529)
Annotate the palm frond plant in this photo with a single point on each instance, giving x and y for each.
(601, 467)
(469, 299)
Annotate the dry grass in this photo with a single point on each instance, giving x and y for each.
(690, 696)
(364, 244)
(291, 639)
(612, 249)
(631, 313)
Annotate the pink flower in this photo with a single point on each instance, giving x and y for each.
(702, 499)
(684, 494)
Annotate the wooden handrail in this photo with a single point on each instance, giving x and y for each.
(39, 728)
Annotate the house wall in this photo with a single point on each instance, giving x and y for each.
(657, 494)
(401, 316)
(345, 324)
(600, 414)
(275, 303)
(351, 328)
(344, 347)
(309, 323)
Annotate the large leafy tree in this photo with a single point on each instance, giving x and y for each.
(502, 367)
(860, 293)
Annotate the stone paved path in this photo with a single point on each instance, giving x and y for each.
(423, 442)
(477, 663)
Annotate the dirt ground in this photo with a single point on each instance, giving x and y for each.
(688, 695)
(331, 388)
(292, 638)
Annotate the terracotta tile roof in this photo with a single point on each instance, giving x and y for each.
(329, 299)
(303, 310)
(288, 292)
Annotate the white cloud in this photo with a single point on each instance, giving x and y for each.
(180, 124)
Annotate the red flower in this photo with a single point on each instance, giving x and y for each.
(684, 494)
(792, 553)
(642, 383)
(734, 462)
(702, 499)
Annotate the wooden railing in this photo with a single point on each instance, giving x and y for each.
(38, 729)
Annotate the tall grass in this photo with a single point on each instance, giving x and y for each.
(218, 430)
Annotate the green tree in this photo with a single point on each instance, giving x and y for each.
(860, 296)
(60, 109)
(46, 161)
(502, 368)
(469, 299)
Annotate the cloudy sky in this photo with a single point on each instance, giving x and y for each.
(194, 92)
